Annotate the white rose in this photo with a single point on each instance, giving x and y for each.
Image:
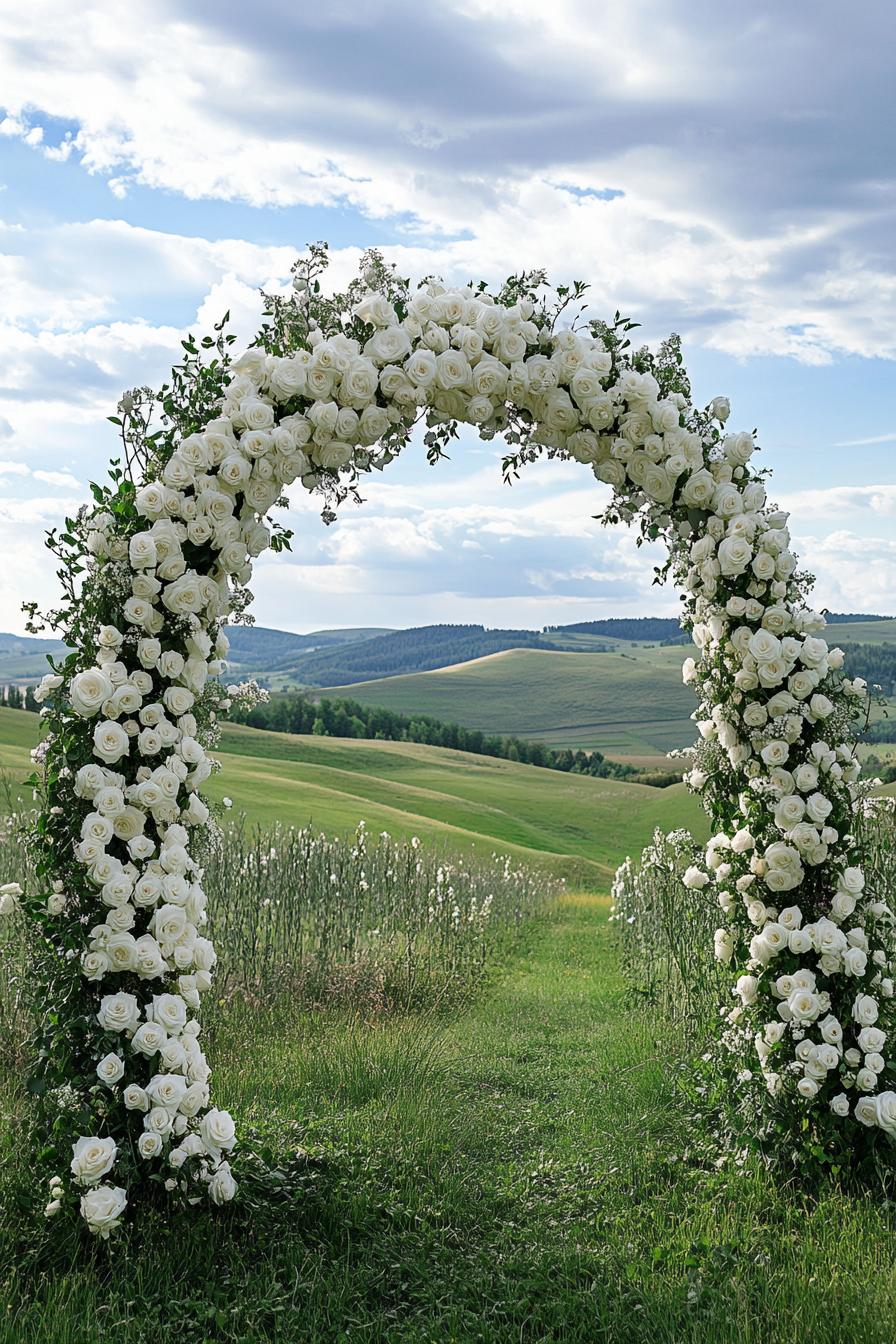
(94, 965)
(193, 1099)
(388, 345)
(222, 1187)
(855, 961)
(734, 555)
(92, 1158)
(865, 1010)
(110, 1069)
(135, 1098)
(169, 1012)
(885, 1111)
(452, 370)
(789, 811)
(89, 691)
(118, 1012)
(866, 1111)
(102, 1208)
(871, 1039)
(852, 880)
(142, 551)
(821, 706)
(723, 945)
(149, 1038)
(150, 1144)
(110, 742)
(748, 988)
(217, 1131)
(167, 1090)
(184, 595)
(49, 683)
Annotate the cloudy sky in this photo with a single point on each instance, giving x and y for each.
(723, 171)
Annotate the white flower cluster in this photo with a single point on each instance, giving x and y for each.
(192, 536)
(777, 723)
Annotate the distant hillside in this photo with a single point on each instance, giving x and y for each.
(426, 648)
(417, 650)
(631, 706)
(257, 651)
(280, 659)
(642, 628)
(578, 826)
(23, 659)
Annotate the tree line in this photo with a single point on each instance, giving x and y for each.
(18, 697)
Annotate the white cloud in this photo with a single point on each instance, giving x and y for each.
(834, 501)
(686, 158)
(741, 219)
(60, 478)
(854, 573)
(861, 443)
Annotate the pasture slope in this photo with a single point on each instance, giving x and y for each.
(630, 705)
(581, 827)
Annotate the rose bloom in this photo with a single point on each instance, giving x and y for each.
(89, 691)
(110, 742)
(150, 1145)
(217, 1131)
(102, 1209)
(92, 1158)
(119, 1012)
(149, 1038)
(110, 1069)
(135, 1098)
(169, 1012)
(222, 1187)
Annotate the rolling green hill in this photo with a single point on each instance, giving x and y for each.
(631, 706)
(862, 632)
(581, 827)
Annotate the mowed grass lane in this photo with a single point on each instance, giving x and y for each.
(516, 1173)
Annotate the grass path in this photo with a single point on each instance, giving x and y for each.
(512, 1175)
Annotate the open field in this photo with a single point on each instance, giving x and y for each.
(583, 827)
(517, 1172)
(632, 706)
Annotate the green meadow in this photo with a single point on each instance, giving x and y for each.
(581, 827)
(516, 1167)
(517, 1171)
(630, 705)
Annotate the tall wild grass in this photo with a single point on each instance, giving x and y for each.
(665, 930)
(302, 918)
(367, 920)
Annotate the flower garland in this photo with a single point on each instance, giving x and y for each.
(331, 389)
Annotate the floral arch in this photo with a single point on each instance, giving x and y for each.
(331, 389)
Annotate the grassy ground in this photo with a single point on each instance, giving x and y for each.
(582, 827)
(514, 1174)
(625, 704)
